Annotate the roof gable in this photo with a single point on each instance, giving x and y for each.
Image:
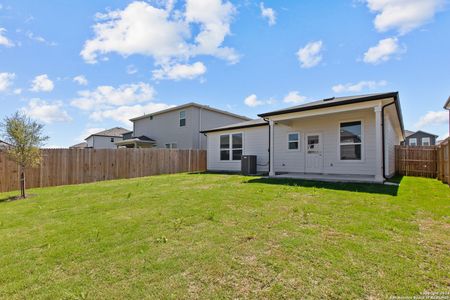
(421, 131)
(112, 132)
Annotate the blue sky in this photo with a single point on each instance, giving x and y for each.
(81, 66)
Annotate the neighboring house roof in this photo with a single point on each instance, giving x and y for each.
(408, 133)
(142, 139)
(3, 142)
(79, 145)
(246, 124)
(337, 101)
(193, 104)
(412, 133)
(447, 104)
(113, 132)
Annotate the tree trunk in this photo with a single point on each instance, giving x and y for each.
(22, 182)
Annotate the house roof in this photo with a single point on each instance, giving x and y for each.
(112, 132)
(193, 104)
(447, 104)
(79, 145)
(3, 142)
(337, 101)
(409, 133)
(246, 124)
(142, 139)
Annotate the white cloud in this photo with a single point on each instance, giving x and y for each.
(17, 91)
(383, 51)
(105, 97)
(39, 39)
(42, 83)
(164, 33)
(268, 13)
(81, 80)
(403, 15)
(358, 87)
(6, 80)
(131, 69)
(309, 56)
(4, 41)
(253, 101)
(125, 113)
(433, 118)
(46, 112)
(180, 71)
(294, 97)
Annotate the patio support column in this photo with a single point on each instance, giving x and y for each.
(378, 145)
(271, 148)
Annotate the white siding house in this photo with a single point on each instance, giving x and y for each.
(255, 141)
(347, 138)
(178, 127)
(105, 139)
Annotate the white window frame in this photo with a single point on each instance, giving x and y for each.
(415, 142)
(230, 147)
(171, 145)
(363, 157)
(427, 139)
(180, 118)
(298, 141)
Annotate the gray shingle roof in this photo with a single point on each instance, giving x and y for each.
(409, 132)
(79, 145)
(112, 132)
(251, 123)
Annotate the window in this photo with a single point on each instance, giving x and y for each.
(112, 140)
(426, 141)
(171, 146)
(182, 118)
(413, 142)
(231, 146)
(350, 140)
(293, 141)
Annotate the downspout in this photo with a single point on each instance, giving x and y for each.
(267, 120)
(382, 138)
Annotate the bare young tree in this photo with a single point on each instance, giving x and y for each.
(26, 137)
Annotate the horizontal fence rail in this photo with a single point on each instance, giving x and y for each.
(75, 166)
(416, 161)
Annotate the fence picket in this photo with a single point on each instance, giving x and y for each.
(75, 166)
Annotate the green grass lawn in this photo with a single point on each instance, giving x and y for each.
(225, 236)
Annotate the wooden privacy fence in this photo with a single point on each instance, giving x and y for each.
(443, 154)
(416, 161)
(74, 166)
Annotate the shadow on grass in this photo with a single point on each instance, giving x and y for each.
(371, 188)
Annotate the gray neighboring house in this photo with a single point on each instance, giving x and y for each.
(105, 139)
(79, 146)
(419, 138)
(177, 127)
(4, 145)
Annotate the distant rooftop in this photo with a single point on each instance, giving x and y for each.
(113, 132)
(251, 123)
(188, 105)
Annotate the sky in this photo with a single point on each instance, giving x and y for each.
(82, 66)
